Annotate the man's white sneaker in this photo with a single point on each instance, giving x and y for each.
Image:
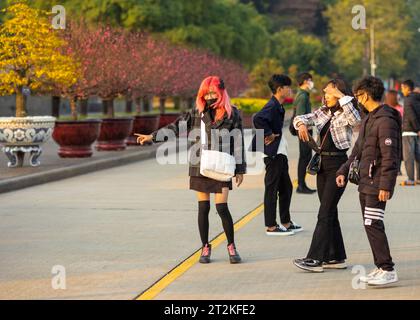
(370, 276)
(383, 278)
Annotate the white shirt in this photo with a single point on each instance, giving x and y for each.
(282, 149)
(409, 134)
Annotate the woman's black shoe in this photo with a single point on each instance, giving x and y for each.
(310, 265)
(233, 254)
(205, 254)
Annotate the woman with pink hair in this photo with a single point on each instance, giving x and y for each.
(221, 125)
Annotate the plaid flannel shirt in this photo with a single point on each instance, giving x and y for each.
(342, 122)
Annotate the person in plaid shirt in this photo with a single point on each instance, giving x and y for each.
(335, 121)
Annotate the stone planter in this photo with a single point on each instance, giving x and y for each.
(145, 125)
(113, 134)
(167, 118)
(24, 135)
(75, 138)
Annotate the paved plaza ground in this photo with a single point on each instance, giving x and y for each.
(117, 231)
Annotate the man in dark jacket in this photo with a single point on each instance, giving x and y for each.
(411, 132)
(277, 180)
(378, 150)
(303, 106)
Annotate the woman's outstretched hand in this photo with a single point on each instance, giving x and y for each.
(144, 138)
(303, 133)
(239, 179)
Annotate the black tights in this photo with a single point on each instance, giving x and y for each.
(203, 221)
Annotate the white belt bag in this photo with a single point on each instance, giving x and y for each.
(214, 164)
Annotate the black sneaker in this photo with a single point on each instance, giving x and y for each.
(305, 190)
(234, 256)
(205, 254)
(295, 227)
(309, 265)
(334, 264)
(279, 231)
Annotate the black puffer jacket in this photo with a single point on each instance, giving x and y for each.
(228, 132)
(381, 152)
(411, 121)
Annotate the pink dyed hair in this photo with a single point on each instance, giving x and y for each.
(222, 105)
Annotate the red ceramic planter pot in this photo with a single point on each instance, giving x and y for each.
(167, 118)
(145, 125)
(75, 138)
(113, 134)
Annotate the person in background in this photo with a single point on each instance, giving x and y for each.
(303, 106)
(411, 133)
(278, 186)
(391, 99)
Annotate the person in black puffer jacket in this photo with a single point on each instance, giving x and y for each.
(378, 149)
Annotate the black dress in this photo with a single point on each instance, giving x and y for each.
(207, 185)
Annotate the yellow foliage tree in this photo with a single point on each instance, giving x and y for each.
(30, 55)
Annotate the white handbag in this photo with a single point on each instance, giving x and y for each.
(214, 164)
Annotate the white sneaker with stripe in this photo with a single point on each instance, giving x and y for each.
(383, 278)
(370, 276)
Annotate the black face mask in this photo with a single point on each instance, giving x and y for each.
(210, 102)
(362, 108)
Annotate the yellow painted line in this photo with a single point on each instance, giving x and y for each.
(180, 269)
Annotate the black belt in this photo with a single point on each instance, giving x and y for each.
(333, 154)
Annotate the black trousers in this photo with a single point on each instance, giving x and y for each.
(305, 155)
(327, 240)
(278, 187)
(373, 212)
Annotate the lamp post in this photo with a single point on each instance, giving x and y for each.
(373, 65)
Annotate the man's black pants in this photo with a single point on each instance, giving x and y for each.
(373, 212)
(278, 186)
(305, 155)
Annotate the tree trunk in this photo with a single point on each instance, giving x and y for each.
(162, 102)
(104, 107)
(73, 108)
(147, 104)
(55, 102)
(20, 104)
(139, 107)
(84, 105)
(190, 103)
(128, 105)
(110, 113)
(177, 103)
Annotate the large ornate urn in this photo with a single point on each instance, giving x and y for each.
(25, 135)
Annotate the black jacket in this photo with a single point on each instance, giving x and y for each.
(271, 119)
(411, 120)
(228, 131)
(381, 152)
